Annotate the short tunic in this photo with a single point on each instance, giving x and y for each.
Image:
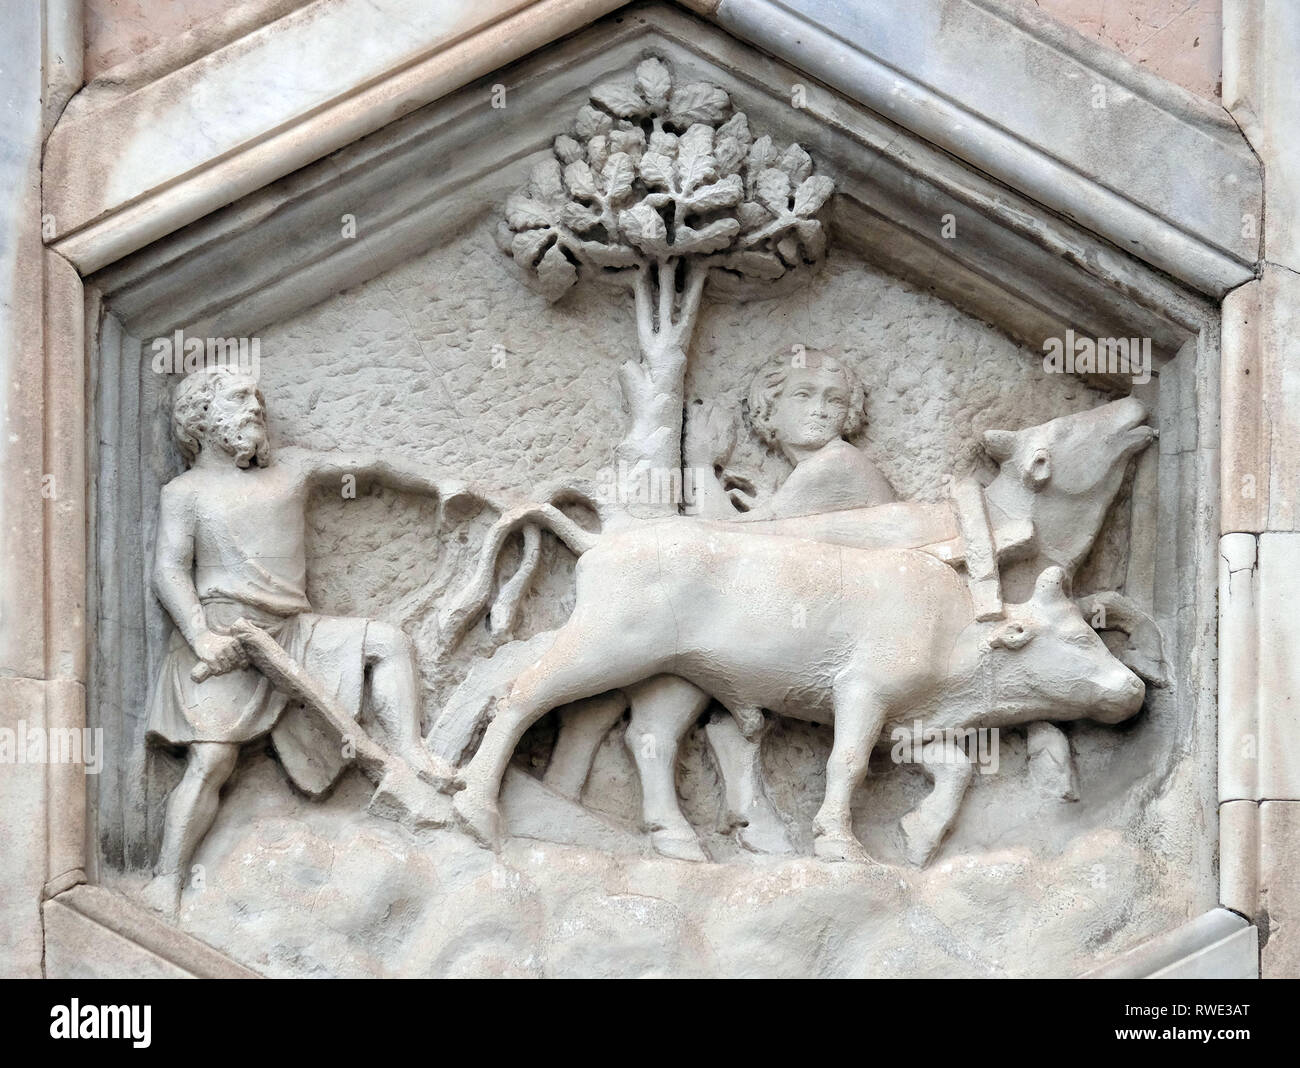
(242, 705)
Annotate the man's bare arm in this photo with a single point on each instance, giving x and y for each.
(710, 439)
(173, 566)
(173, 581)
(333, 471)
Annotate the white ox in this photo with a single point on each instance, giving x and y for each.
(857, 638)
(1056, 482)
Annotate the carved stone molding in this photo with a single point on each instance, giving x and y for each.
(1095, 170)
(1066, 219)
(1026, 271)
(924, 82)
(93, 933)
(1216, 945)
(1259, 783)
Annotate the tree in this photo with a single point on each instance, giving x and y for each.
(660, 187)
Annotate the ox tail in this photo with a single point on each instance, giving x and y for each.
(474, 598)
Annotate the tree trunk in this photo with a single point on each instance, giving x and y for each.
(649, 457)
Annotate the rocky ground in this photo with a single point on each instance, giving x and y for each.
(295, 888)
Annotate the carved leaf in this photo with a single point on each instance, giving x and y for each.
(505, 237)
(555, 274)
(657, 170)
(796, 163)
(738, 127)
(528, 246)
(698, 102)
(618, 173)
(712, 238)
(664, 143)
(773, 190)
(580, 180)
(696, 140)
(602, 255)
(598, 151)
(765, 265)
(567, 149)
(591, 121)
(546, 181)
(788, 249)
(655, 82)
(761, 156)
(729, 153)
(579, 217)
(695, 162)
(721, 194)
(812, 194)
(525, 213)
(752, 216)
(620, 98)
(631, 141)
(813, 236)
(644, 228)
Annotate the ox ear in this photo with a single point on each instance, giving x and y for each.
(1039, 470)
(1052, 587)
(1011, 635)
(1000, 444)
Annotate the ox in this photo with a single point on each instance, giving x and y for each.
(1056, 481)
(860, 639)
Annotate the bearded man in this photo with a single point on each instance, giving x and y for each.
(232, 544)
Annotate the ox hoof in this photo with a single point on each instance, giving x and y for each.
(162, 894)
(478, 817)
(848, 850)
(678, 847)
(920, 839)
(767, 836)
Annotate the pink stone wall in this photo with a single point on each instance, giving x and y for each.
(1181, 40)
(119, 30)
(1178, 39)
(116, 30)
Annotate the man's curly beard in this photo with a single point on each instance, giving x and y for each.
(245, 440)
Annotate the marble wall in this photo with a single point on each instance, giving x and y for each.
(1177, 40)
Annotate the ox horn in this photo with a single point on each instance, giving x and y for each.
(1000, 444)
(1052, 585)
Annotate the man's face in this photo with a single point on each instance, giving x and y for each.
(812, 408)
(237, 420)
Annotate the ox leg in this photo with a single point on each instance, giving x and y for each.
(663, 709)
(583, 726)
(859, 714)
(739, 759)
(948, 767)
(575, 667)
(1051, 764)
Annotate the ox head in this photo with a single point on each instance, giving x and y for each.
(1046, 662)
(1063, 475)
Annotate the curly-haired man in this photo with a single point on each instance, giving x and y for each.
(804, 408)
(231, 544)
(806, 412)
